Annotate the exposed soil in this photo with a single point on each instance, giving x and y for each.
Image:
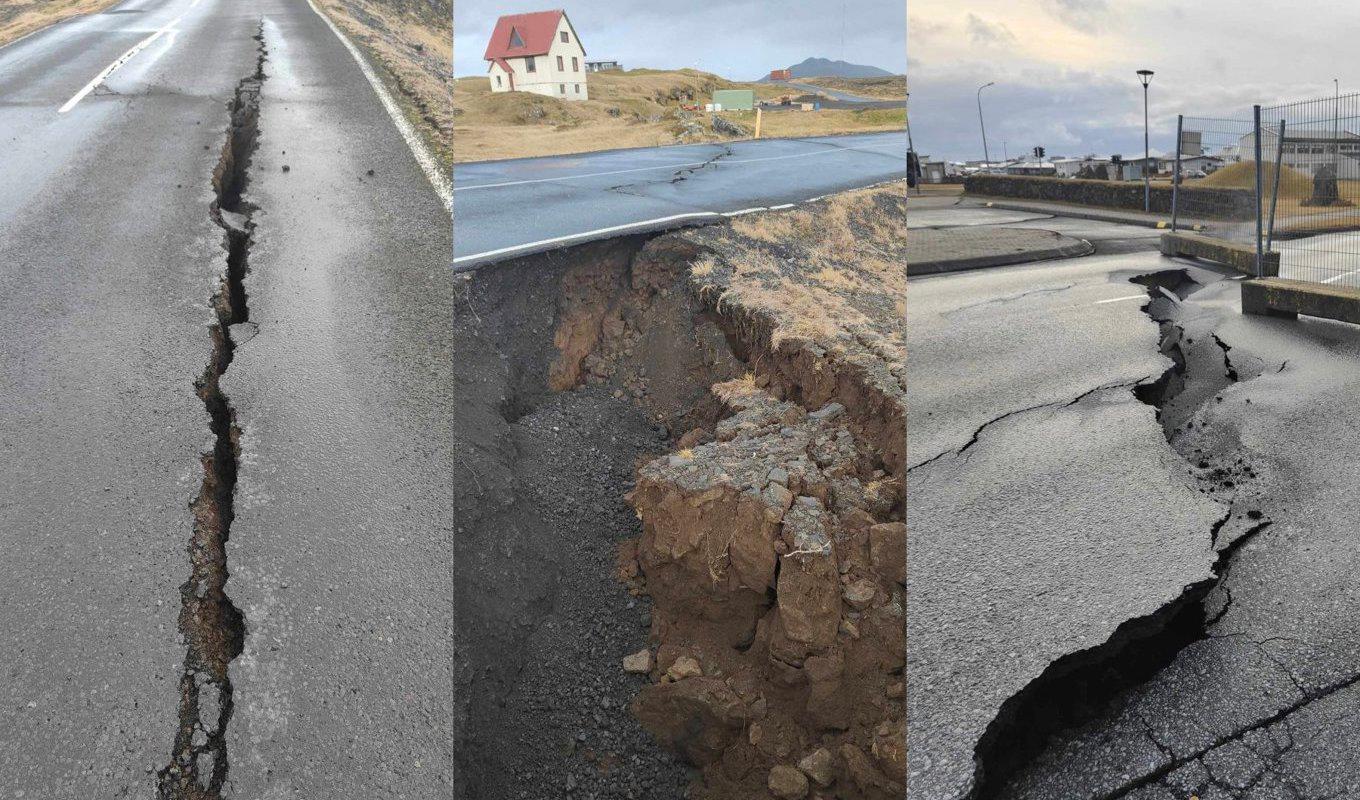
(760, 561)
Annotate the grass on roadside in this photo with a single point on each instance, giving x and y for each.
(19, 18)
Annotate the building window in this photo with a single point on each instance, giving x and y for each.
(565, 38)
(529, 64)
(563, 87)
(575, 66)
(515, 40)
(560, 68)
(578, 88)
(498, 80)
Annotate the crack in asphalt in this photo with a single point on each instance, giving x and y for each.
(1073, 688)
(1009, 298)
(212, 626)
(1056, 404)
(678, 176)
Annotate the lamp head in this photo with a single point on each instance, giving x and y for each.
(1145, 75)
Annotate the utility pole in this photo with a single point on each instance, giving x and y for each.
(1145, 75)
(986, 157)
(1336, 126)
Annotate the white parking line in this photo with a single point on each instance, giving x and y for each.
(672, 167)
(120, 61)
(443, 186)
(585, 235)
(1121, 299)
(1342, 276)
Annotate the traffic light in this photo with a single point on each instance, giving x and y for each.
(1039, 153)
(913, 169)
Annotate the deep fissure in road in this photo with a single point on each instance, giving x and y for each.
(212, 626)
(1076, 688)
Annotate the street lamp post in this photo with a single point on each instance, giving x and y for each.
(911, 148)
(1145, 75)
(986, 157)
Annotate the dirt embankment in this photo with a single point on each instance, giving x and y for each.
(681, 562)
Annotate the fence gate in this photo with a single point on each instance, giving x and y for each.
(1286, 179)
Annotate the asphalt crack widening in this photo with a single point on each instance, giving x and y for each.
(1076, 688)
(212, 626)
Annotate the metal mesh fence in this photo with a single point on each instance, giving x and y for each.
(1214, 178)
(1315, 224)
(1304, 200)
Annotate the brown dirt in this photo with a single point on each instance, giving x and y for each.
(773, 546)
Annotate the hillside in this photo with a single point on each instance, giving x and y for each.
(636, 108)
(891, 87)
(814, 67)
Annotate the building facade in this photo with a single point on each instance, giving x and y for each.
(1308, 150)
(538, 53)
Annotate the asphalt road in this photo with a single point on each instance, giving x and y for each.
(510, 208)
(338, 555)
(1050, 508)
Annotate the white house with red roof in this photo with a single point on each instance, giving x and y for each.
(537, 53)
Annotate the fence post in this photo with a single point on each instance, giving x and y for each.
(1256, 136)
(1275, 195)
(1176, 175)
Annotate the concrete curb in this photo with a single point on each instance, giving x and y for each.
(1094, 215)
(1280, 297)
(1075, 249)
(1220, 251)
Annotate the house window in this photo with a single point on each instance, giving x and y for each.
(565, 38)
(529, 64)
(560, 68)
(563, 87)
(515, 40)
(575, 66)
(578, 88)
(498, 81)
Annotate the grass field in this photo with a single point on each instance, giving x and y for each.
(890, 88)
(637, 108)
(411, 42)
(18, 18)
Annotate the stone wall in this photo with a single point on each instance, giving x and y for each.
(1229, 204)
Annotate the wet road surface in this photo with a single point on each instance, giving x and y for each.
(109, 256)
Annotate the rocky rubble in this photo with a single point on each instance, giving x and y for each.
(775, 571)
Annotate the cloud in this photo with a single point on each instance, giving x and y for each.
(1082, 15)
(982, 32)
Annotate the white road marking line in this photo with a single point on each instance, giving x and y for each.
(744, 211)
(666, 166)
(561, 239)
(120, 61)
(443, 185)
(1343, 275)
(1122, 299)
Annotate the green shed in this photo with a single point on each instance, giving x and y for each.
(735, 99)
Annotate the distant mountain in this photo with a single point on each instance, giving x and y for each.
(825, 67)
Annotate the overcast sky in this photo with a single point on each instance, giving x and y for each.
(1064, 69)
(737, 39)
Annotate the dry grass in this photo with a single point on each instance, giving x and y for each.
(19, 18)
(827, 122)
(893, 87)
(1242, 175)
(832, 272)
(636, 108)
(411, 42)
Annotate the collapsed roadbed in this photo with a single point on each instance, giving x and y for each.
(742, 386)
